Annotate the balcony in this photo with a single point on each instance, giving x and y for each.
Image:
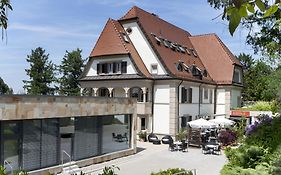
(144, 108)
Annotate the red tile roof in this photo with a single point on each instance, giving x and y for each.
(216, 57)
(209, 48)
(109, 38)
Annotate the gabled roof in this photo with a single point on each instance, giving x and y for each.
(216, 57)
(109, 38)
(150, 23)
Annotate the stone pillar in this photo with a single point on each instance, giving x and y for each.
(110, 92)
(95, 90)
(126, 91)
(144, 94)
(81, 91)
(174, 118)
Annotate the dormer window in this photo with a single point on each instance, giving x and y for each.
(125, 37)
(237, 78)
(194, 53)
(154, 68)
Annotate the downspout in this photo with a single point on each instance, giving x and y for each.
(200, 100)
(178, 114)
(152, 105)
(215, 100)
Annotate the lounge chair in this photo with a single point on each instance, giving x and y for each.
(205, 149)
(152, 137)
(217, 150)
(167, 139)
(172, 146)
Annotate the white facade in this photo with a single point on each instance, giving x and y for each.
(93, 68)
(144, 49)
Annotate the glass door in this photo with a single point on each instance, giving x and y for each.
(66, 137)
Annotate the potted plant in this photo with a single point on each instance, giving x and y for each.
(142, 136)
(182, 135)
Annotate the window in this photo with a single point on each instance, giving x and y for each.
(112, 68)
(125, 37)
(237, 76)
(143, 125)
(211, 96)
(186, 95)
(154, 69)
(206, 94)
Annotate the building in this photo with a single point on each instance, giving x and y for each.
(175, 76)
(40, 133)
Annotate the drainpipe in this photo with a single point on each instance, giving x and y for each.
(178, 114)
(215, 99)
(152, 105)
(200, 98)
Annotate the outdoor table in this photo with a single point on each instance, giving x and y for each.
(211, 147)
(178, 144)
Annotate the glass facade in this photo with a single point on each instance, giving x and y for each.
(36, 144)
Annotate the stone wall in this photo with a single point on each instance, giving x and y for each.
(20, 107)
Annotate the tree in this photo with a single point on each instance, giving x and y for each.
(246, 60)
(4, 88)
(71, 68)
(5, 6)
(256, 83)
(41, 73)
(262, 18)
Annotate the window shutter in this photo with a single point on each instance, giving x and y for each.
(190, 95)
(124, 67)
(183, 95)
(98, 68)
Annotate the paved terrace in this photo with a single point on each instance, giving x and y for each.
(152, 158)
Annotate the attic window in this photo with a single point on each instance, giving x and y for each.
(187, 51)
(205, 73)
(179, 66)
(173, 46)
(125, 37)
(129, 30)
(196, 71)
(185, 67)
(194, 52)
(182, 49)
(154, 68)
(166, 43)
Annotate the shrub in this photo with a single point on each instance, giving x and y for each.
(109, 170)
(172, 171)
(143, 136)
(227, 137)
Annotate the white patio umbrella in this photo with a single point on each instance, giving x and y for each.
(201, 123)
(222, 121)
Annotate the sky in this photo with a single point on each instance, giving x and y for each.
(62, 25)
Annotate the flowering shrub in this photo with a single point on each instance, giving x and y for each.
(227, 137)
(262, 120)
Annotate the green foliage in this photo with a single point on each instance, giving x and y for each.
(267, 135)
(5, 6)
(182, 134)
(4, 88)
(41, 73)
(109, 170)
(261, 17)
(3, 171)
(172, 171)
(71, 68)
(143, 135)
(239, 129)
(263, 106)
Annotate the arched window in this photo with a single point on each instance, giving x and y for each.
(136, 92)
(103, 92)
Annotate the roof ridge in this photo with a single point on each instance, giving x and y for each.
(138, 8)
(100, 36)
(226, 49)
(205, 34)
(118, 33)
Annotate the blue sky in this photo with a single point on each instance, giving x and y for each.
(63, 25)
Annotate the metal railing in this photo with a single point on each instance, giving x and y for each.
(62, 159)
(11, 167)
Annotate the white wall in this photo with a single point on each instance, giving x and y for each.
(143, 47)
(207, 109)
(235, 93)
(220, 101)
(161, 109)
(93, 69)
(188, 109)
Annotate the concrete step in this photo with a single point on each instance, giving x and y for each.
(69, 164)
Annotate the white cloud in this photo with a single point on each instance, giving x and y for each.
(52, 31)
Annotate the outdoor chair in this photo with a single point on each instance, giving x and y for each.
(152, 137)
(114, 137)
(172, 146)
(125, 137)
(217, 150)
(205, 149)
(184, 146)
(167, 139)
